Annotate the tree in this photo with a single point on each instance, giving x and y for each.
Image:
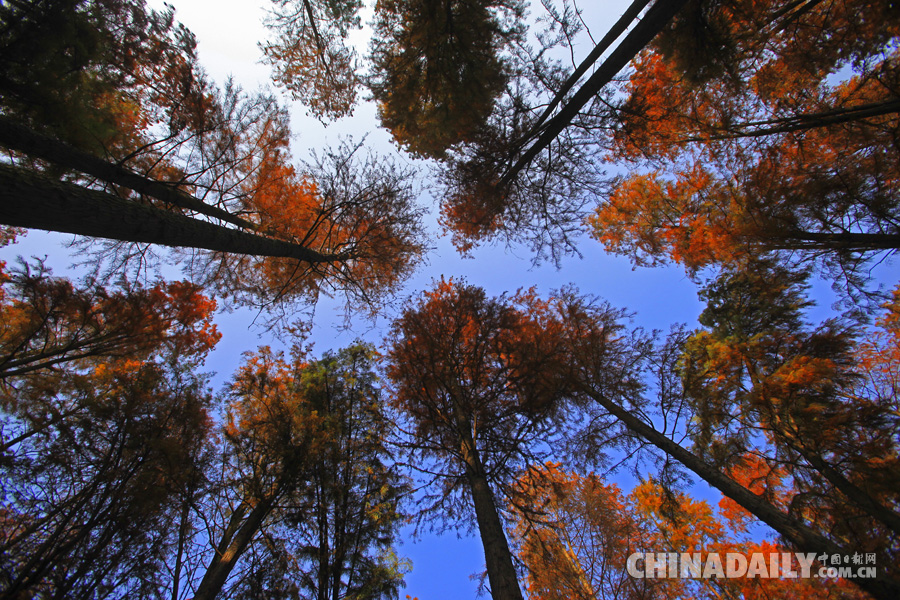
(754, 145)
(574, 535)
(90, 492)
(103, 424)
(609, 382)
(543, 206)
(363, 210)
(437, 68)
(530, 174)
(48, 323)
(185, 162)
(310, 55)
(94, 74)
(482, 383)
(307, 502)
(342, 531)
(576, 532)
(762, 383)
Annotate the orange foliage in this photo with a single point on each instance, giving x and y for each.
(738, 87)
(492, 359)
(688, 220)
(47, 322)
(761, 478)
(576, 532)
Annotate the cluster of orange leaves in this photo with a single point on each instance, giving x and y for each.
(577, 532)
(780, 61)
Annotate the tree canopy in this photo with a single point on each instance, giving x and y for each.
(751, 143)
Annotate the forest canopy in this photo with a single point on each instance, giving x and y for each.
(746, 150)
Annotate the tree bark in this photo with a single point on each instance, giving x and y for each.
(794, 531)
(653, 22)
(847, 241)
(30, 200)
(21, 138)
(235, 539)
(612, 35)
(497, 556)
(802, 122)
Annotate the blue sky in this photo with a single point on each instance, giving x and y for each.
(228, 32)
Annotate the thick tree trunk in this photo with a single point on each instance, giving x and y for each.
(235, 539)
(21, 138)
(497, 556)
(794, 531)
(28, 199)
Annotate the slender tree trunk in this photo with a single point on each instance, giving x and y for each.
(497, 556)
(853, 493)
(653, 22)
(182, 539)
(794, 531)
(802, 122)
(848, 241)
(612, 35)
(28, 199)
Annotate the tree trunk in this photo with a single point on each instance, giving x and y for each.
(21, 138)
(497, 556)
(28, 199)
(846, 241)
(235, 539)
(802, 122)
(794, 531)
(653, 22)
(630, 14)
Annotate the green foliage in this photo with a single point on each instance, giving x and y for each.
(84, 70)
(319, 429)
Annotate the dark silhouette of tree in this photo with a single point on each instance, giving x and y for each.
(104, 421)
(192, 167)
(437, 68)
(749, 144)
(529, 175)
(810, 378)
(481, 383)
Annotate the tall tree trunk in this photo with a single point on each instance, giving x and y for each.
(847, 241)
(28, 199)
(630, 14)
(794, 531)
(802, 122)
(235, 539)
(646, 29)
(18, 137)
(497, 556)
(182, 540)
